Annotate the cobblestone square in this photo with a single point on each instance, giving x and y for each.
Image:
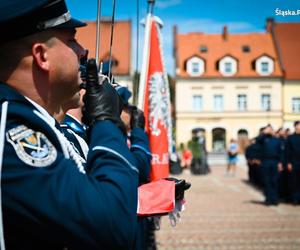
(227, 213)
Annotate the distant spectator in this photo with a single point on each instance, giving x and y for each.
(186, 156)
(232, 152)
(195, 147)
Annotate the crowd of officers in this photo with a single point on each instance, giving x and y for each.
(68, 181)
(274, 164)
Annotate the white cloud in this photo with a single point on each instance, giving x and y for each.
(162, 4)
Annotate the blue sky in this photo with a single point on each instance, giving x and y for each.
(191, 15)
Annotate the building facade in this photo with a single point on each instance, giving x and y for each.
(287, 40)
(227, 85)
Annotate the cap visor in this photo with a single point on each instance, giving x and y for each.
(72, 23)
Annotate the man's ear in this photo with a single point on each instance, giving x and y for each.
(40, 55)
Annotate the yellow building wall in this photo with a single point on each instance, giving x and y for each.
(231, 125)
(230, 118)
(291, 89)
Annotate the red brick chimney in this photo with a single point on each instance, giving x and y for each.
(269, 25)
(225, 33)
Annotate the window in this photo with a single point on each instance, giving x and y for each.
(197, 103)
(242, 102)
(266, 102)
(228, 67)
(218, 103)
(265, 67)
(195, 67)
(203, 48)
(296, 104)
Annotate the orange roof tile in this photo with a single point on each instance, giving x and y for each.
(188, 45)
(287, 37)
(121, 50)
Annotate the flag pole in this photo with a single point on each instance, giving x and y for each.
(145, 59)
(111, 40)
(98, 31)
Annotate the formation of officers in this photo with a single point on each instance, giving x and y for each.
(69, 186)
(274, 164)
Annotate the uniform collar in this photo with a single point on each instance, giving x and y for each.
(8, 93)
(71, 118)
(74, 124)
(43, 111)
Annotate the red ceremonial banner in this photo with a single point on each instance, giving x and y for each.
(156, 106)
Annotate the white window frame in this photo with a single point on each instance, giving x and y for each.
(197, 103)
(218, 107)
(259, 65)
(222, 67)
(266, 106)
(296, 105)
(242, 102)
(191, 64)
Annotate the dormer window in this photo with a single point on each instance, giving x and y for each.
(264, 65)
(228, 66)
(195, 66)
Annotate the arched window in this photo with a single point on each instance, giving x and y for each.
(219, 139)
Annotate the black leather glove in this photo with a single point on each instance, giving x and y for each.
(137, 119)
(180, 187)
(101, 100)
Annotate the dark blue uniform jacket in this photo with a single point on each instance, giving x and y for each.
(141, 151)
(253, 151)
(293, 149)
(138, 139)
(48, 201)
(271, 147)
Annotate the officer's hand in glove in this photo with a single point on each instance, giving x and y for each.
(101, 101)
(137, 119)
(180, 187)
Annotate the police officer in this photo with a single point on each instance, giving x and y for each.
(253, 156)
(134, 122)
(283, 177)
(271, 164)
(293, 162)
(49, 201)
